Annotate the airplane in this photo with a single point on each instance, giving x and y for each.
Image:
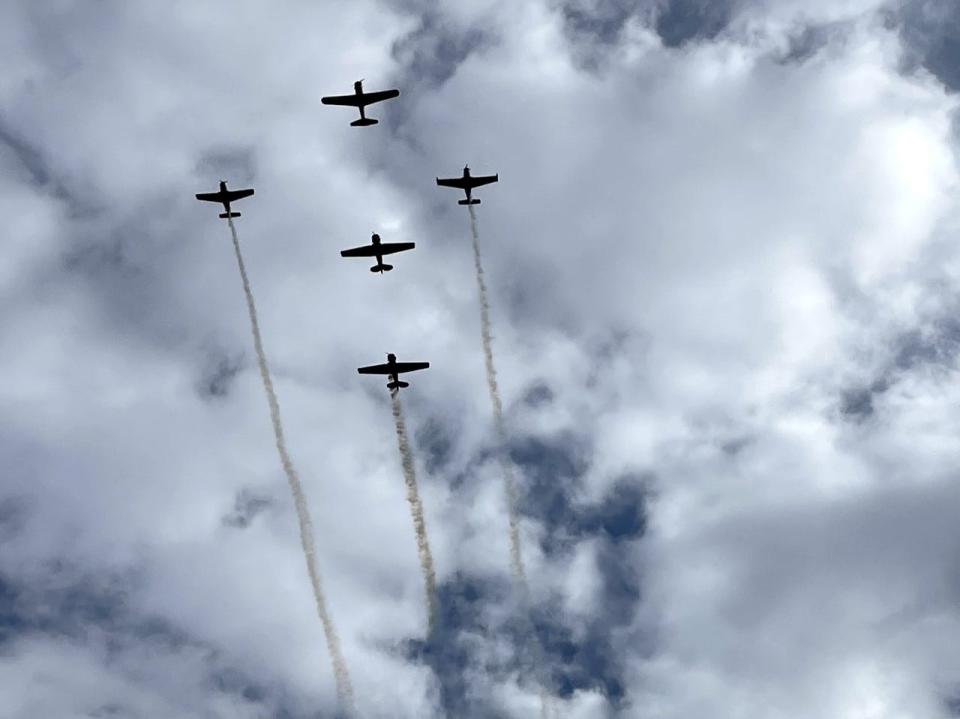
(378, 249)
(393, 368)
(360, 100)
(467, 183)
(226, 197)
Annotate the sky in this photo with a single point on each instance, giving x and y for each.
(725, 295)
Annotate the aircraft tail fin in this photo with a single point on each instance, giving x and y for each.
(398, 384)
(225, 215)
(364, 122)
(381, 268)
(468, 202)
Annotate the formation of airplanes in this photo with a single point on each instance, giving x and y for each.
(376, 248)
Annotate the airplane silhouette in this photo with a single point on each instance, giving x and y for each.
(225, 196)
(378, 249)
(466, 183)
(393, 368)
(360, 99)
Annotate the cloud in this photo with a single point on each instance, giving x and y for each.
(75, 646)
(722, 269)
(931, 34)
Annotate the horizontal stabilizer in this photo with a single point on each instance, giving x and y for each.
(364, 122)
(225, 215)
(381, 268)
(397, 385)
(468, 202)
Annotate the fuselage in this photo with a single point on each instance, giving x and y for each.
(392, 361)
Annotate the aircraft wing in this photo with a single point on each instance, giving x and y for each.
(349, 100)
(371, 97)
(365, 251)
(458, 182)
(482, 180)
(210, 197)
(401, 367)
(376, 369)
(388, 248)
(238, 194)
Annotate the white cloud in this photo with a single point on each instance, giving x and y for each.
(694, 254)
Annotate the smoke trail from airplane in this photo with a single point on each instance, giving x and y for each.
(342, 677)
(416, 511)
(547, 707)
(516, 558)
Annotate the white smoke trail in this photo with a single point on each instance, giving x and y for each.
(344, 688)
(516, 558)
(416, 511)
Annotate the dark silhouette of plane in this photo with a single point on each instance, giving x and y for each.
(393, 368)
(225, 196)
(378, 249)
(467, 183)
(360, 100)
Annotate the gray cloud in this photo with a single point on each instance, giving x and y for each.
(431, 52)
(601, 22)
(236, 164)
(246, 507)
(219, 376)
(931, 34)
(96, 612)
(596, 26)
(681, 21)
(720, 274)
(28, 157)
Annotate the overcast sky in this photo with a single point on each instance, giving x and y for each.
(724, 267)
